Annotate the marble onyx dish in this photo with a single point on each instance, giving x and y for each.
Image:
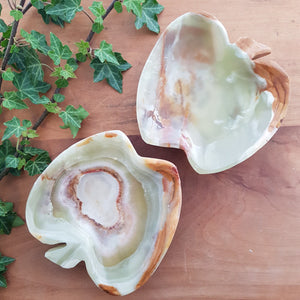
(101, 203)
(211, 98)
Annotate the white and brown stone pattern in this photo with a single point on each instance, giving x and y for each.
(211, 98)
(105, 205)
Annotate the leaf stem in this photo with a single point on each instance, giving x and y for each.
(10, 5)
(47, 67)
(109, 9)
(26, 8)
(10, 43)
(88, 15)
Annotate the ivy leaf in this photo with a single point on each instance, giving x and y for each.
(8, 75)
(5, 149)
(38, 164)
(98, 10)
(72, 62)
(58, 51)
(4, 260)
(118, 7)
(27, 59)
(11, 161)
(14, 127)
(12, 100)
(111, 72)
(3, 282)
(73, 118)
(134, 5)
(150, 10)
(16, 14)
(58, 98)
(105, 53)
(67, 72)
(28, 89)
(97, 27)
(3, 26)
(61, 83)
(83, 47)
(80, 57)
(37, 4)
(123, 64)
(52, 108)
(7, 222)
(36, 40)
(47, 18)
(0, 8)
(66, 10)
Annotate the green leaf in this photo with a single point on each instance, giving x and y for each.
(18, 222)
(98, 11)
(7, 33)
(97, 27)
(123, 64)
(5, 149)
(27, 59)
(12, 100)
(65, 10)
(61, 83)
(47, 18)
(8, 75)
(11, 161)
(29, 89)
(80, 57)
(5, 208)
(3, 282)
(72, 62)
(43, 100)
(67, 72)
(58, 51)
(16, 14)
(5, 260)
(118, 7)
(105, 53)
(83, 47)
(22, 163)
(52, 108)
(7, 222)
(0, 8)
(56, 72)
(38, 165)
(30, 133)
(134, 5)
(37, 4)
(73, 118)
(14, 127)
(32, 151)
(150, 10)
(36, 40)
(58, 98)
(110, 72)
(3, 26)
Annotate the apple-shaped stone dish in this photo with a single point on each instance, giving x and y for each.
(105, 205)
(200, 93)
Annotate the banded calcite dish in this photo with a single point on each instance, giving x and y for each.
(211, 98)
(101, 203)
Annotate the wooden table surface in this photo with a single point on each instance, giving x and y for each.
(239, 231)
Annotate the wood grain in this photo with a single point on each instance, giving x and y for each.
(239, 232)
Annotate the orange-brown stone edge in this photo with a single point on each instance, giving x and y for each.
(276, 78)
(109, 289)
(165, 236)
